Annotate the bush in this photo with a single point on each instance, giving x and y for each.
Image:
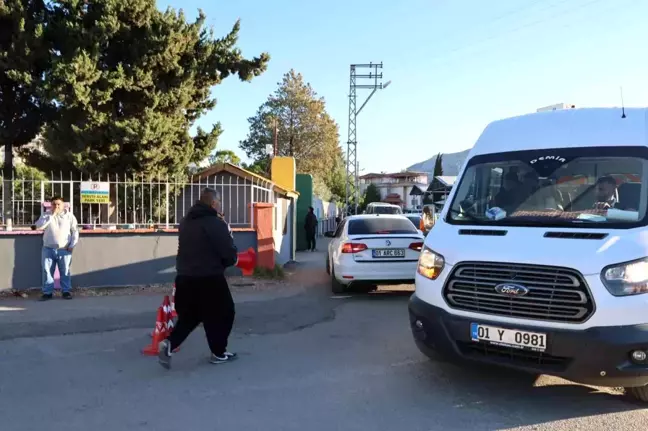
(275, 273)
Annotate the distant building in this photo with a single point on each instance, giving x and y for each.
(405, 189)
(438, 190)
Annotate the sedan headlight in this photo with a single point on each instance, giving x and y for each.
(430, 264)
(624, 279)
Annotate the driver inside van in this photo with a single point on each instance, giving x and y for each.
(606, 193)
(508, 198)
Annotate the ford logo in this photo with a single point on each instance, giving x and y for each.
(509, 289)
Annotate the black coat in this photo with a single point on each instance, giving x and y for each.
(311, 222)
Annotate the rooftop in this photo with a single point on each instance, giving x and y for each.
(404, 174)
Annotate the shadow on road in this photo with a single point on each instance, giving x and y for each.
(525, 399)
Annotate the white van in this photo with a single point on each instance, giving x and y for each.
(383, 208)
(539, 260)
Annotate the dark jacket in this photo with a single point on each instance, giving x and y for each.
(205, 243)
(311, 222)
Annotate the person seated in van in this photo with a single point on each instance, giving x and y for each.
(508, 197)
(606, 193)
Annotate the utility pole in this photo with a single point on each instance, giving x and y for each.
(373, 81)
(7, 174)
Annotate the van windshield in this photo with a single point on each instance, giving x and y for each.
(571, 187)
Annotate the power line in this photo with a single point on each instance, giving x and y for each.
(564, 12)
(617, 5)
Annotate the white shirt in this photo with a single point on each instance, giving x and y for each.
(60, 230)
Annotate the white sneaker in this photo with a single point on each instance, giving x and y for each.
(221, 359)
(164, 354)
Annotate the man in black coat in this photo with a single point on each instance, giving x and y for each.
(311, 228)
(205, 249)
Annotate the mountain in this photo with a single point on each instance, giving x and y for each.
(451, 163)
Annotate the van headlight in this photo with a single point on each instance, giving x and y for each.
(624, 279)
(430, 264)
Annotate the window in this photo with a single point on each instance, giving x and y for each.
(381, 225)
(415, 219)
(571, 187)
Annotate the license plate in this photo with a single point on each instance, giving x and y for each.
(389, 252)
(509, 337)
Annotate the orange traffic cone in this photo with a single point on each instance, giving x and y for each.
(159, 334)
(166, 307)
(168, 317)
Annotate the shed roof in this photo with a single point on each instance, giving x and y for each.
(244, 173)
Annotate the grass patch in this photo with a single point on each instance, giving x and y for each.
(276, 273)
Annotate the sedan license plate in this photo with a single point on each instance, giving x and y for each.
(509, 337)
(389, 252)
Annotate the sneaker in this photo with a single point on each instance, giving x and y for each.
(164, 354)
(45, 297)
(221, 359)
(67, 295)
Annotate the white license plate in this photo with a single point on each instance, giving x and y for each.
(509, 337)
(389, 252)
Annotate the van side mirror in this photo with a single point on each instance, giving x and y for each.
(329, 234)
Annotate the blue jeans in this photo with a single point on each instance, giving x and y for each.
(52, 258)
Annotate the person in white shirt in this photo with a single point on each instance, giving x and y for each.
(60, 236)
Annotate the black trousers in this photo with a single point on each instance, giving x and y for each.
(310, 237)
(205, 300)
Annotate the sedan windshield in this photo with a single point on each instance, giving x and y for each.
(568, 186)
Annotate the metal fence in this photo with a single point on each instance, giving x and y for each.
(134, 202)
(326, 225)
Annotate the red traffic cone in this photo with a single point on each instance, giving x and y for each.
(159, 334)
(247, 261)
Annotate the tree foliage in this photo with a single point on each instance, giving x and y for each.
(24, 61)
(129, 82)
(371, 194)
(438, 165)
(305, 132)
(224, 156)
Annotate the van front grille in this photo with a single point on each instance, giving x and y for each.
(554, 294)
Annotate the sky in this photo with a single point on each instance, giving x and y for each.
(455, 65)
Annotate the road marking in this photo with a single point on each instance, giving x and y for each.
(340, 297)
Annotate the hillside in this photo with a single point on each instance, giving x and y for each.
(451, 163)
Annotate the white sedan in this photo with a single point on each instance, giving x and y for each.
(371, 249)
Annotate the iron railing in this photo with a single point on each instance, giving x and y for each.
(134, 202)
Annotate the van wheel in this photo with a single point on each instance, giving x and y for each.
(639, 392)
(336, 286)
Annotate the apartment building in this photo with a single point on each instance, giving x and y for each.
(405, 189)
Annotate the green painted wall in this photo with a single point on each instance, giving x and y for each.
(304, 186)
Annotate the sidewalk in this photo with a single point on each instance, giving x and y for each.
(29, 318)
(86, 314)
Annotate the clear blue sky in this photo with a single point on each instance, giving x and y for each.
(455, 65)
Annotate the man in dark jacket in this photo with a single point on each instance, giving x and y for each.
(311, 228)
(205, 249)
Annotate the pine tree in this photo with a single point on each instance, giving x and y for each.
(305, 132)
(129, 82)
(372, 194)
(438, 166)
(24, 61)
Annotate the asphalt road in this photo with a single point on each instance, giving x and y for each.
(306, 362)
